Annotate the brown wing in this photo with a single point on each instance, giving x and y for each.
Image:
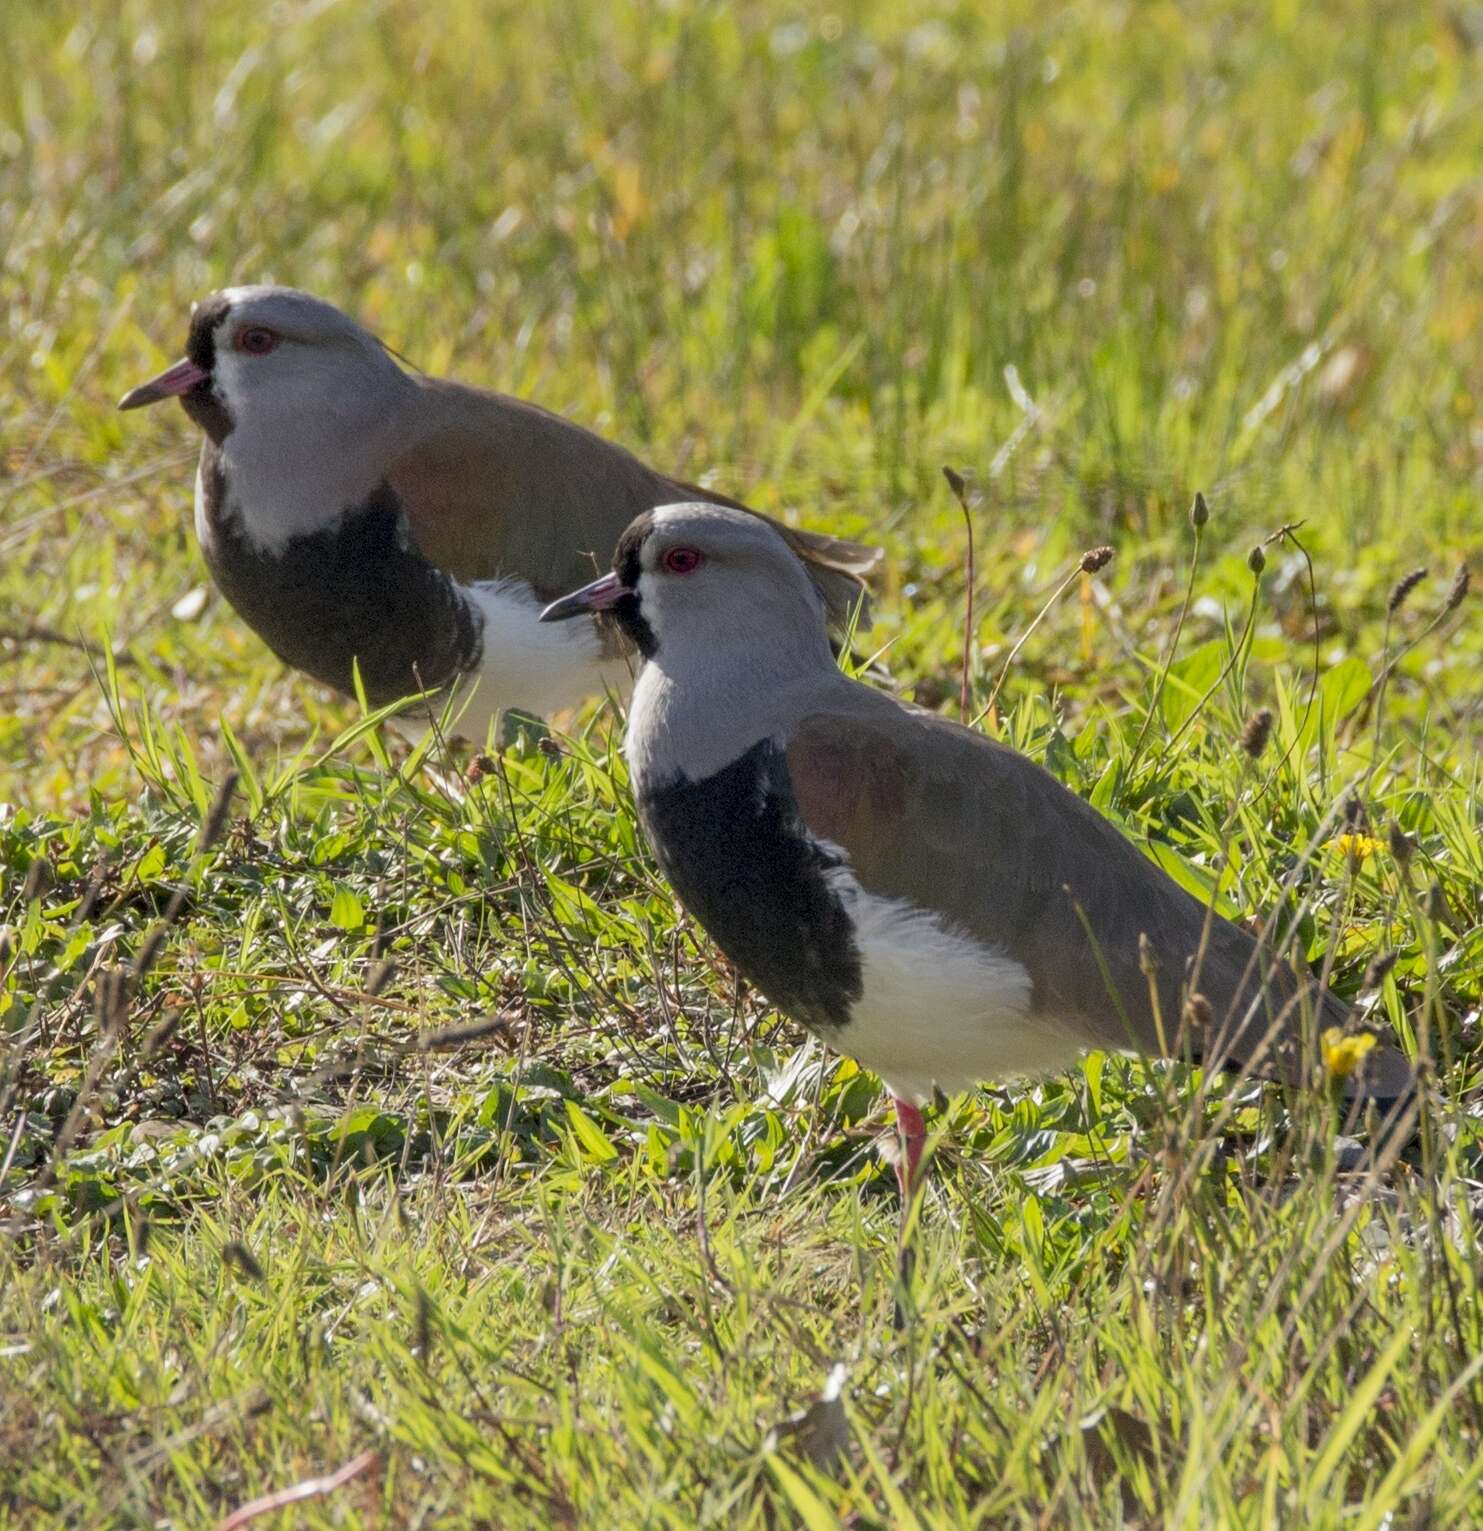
(495, 486)
(935, 813)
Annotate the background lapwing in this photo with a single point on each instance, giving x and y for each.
(920, 896)
(352, 511)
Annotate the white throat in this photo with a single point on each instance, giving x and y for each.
(690, 726)
(296, 462)
(744, 666)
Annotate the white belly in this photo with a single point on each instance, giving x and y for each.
(537, 667)
(938, 1008)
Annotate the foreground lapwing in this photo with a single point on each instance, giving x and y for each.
(920, 896)
(356, 513)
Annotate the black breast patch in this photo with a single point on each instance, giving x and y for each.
(356, 592)
(742, 862)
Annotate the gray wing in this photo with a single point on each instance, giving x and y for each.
(937, 814)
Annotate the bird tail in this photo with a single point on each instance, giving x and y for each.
(1383, 1074)
(1277, 1015)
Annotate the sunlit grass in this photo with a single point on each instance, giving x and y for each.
(422, 1124)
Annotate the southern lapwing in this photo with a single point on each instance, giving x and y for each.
(354, 512)
(920, 896)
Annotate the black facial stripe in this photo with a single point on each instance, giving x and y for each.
(628, 555)
(742, 862)
(200, 345)
(628, 613)
(203, 406)
(628, 565)
(202, 403)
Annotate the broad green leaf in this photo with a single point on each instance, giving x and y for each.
(593, 1139)
(346, 910)
(1189, 679)
(1194, 880)
(813, 1513)
(1344, 687)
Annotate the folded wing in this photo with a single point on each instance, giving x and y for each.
(938, 814)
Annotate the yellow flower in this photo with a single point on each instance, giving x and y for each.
(1356, 846)
(1343, 1054)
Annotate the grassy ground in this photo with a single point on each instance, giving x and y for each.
(398, 1113)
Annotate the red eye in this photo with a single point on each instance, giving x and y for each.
(683, 560)
(256, 341)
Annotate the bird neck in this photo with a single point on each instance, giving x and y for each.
(293, 472)
(690, 720)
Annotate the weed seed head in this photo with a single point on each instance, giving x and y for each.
(1199, 1013)
(1148, 958)
(1256, 733)
(1403, 588)
(1401, 845)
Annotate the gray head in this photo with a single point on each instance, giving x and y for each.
(274, 359)
(694, 579)
(303, 408)
(730, 624)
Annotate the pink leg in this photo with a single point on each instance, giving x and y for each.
(913, 1139)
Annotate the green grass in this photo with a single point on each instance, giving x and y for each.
(406, 1115)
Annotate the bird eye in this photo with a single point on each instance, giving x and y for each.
(683, 560)
(255, 340)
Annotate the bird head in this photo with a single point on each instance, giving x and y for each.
(696, 580)
(282, 362)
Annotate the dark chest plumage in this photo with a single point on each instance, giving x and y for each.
(355, 593)
(743, 863)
